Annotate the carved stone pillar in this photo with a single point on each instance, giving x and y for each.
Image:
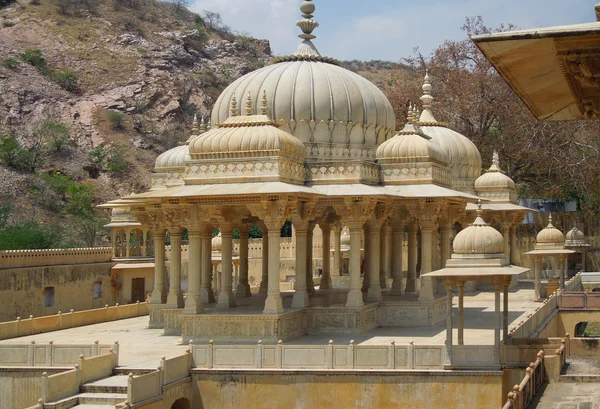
(243, 288)
(264, 282)
(226, 297)
(273, 303)
(461, 313)
(497, 283)
(513, 245)
(193, 302)
(337, 249)
(426, 292)
(128, 234)
(354, 294)
(396, 253)
(449, 285)
(446, 242)
(563, 265)
(374, 238)
(383, 250)
(310, 283)
(206, 289)
(505, 309)
(326, 276)
(367, 259)
(159, 295)
(301, 299)
(506, 235)
(411, 277)
(175, 297)
(537, 275)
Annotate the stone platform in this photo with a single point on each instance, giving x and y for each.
(326, 315)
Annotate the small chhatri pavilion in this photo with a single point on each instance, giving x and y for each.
(306, 140)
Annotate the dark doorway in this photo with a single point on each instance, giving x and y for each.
(138, 290)
(182, 403)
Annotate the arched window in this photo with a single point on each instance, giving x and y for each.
(182, 403)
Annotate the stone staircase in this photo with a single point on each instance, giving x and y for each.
(102, 394)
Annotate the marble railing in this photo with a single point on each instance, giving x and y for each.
(51, 354)
(53, 257)
(579, 300)
(523, 393)
(320, 357)
(30, 326)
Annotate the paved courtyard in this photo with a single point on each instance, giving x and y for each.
(143, 347)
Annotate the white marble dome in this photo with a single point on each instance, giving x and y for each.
(315, 99)
(464, 157)
(173, 159)
(575, 237)
(479, 238)
(550, 237)
(494, 178)
(409, 146)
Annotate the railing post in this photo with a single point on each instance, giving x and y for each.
(60, 320)
(44, 387)
(96, 348)
(31, 354)
(72, 324)
(81, 366)
(392, 355)
(19, 327)
(210, 354)
(115, 348)
(411, 354)
(351, 355)
(105, 312)
(517, 397)
(130, 388)
(259, 354)
(279, 354)
(329, 355)
(51, 353)
(79, 373)
(193, 354)
(567, 345)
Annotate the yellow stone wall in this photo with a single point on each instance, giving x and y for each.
(22, 289)
(21, 388)
(347, 391)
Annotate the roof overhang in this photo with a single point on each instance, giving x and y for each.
(477, 273)
(554, 70)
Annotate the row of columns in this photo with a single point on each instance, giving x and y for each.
(537, 270)
(124, 237)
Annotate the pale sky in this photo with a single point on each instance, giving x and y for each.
(387, 29)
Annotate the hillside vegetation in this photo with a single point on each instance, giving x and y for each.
(92, 93)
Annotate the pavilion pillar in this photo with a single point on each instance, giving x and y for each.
(506, 236)
(273, 303)
(367, 259)
(207, 293)
(564, 270)
(498, 324)
(175, 297)
(216, 279)
(301, 299)
(128, 234)
(537, 260)
(326, 276)
(374, 238)
(355, 295)
(243, 288)
(159, 295)
(412, 259)
(396, 254)
(505, 309)
(383, 254)
(337, 249)
(310, 283)
(193, 302)
(446, 242)
(113, 241)
(449, 285)
(461, 313)
(226, 297)
(513, 245)
(144, 242)
(426, 293)
(264, 282)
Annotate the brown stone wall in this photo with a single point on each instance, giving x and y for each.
(22, 290)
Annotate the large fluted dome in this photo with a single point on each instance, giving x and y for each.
(324, 105)
(173, 158)
(464, 157)
(479, 238)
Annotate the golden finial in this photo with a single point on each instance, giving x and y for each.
(234, 111)
(249, 104)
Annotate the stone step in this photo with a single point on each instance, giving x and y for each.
(136, 371)
(113, 384)
(101, 398)
(580, 378)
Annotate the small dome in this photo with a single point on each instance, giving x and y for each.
(409, 146)
(494, 178)
(173, 158)
(479, 238)
(575, 237)
(247, 136)
(550, 236)
(217, 242)
(464, 158)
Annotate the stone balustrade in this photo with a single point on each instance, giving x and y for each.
(319, 357)
(523, 393)
(49, 355)
(579, 301)
(53, 257)
(30, 326)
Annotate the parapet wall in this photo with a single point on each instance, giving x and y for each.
(53, 257)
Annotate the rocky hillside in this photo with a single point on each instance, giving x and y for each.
(94, 90)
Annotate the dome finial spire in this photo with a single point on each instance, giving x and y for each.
(234, 111)
(249, 104)
(427, 100)
(495, 163)
(409, 114)
(195, 129)
(307, 25)
(263, 108)
(202, 126)
(550, 221)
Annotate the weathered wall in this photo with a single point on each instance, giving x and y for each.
(569, 319)
(347, 390)
(21, 387)
(22, 289)
(126, 277)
